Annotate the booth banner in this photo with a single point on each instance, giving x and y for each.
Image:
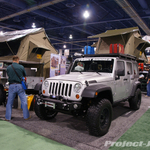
(57, 65)
(63, 65)
(66, 52)
(54, 65)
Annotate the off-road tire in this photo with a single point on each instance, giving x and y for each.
(43, 112)
(99, 117)
(135, 101)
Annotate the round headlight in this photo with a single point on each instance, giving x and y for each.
(77, 87)
(46, 84)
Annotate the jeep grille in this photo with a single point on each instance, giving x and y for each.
(60, 89)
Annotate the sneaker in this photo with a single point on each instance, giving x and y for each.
(28, 118)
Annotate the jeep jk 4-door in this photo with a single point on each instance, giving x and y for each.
(94, 84)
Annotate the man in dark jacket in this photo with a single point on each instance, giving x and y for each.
(15, 87)
(148, 82)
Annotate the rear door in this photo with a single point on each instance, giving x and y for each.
(129, 78)
(119, 83)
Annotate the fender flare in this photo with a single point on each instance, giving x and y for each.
(89, 91)
(135, 86)
(38, 87)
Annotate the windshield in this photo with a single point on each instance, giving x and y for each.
(93, 65)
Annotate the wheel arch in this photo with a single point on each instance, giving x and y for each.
(135, 87)
(98, 91)
(107, 94)
(38, 88)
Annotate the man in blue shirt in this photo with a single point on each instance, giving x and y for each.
(15, 87)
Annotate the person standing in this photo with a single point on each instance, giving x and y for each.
(79, 67)
(148, 82)
(15, 87)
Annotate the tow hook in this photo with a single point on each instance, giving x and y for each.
(65, 106)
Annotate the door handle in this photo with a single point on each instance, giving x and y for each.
(125, 79)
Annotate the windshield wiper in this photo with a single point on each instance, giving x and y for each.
(98, 72)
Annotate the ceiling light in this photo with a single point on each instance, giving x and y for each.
(33, 25)
(70, 4)
(16, 19)
(64, 46)
(70, 36)
(86, 14)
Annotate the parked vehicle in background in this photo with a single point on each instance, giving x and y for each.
(32, 71)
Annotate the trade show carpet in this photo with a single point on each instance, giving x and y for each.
(137, 137)
(13, 137)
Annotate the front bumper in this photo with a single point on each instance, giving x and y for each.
(58, 104)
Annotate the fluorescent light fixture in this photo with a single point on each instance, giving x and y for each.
(33, 25)
(1, 33)
(64, 46)
(70, 37)
(86, 14)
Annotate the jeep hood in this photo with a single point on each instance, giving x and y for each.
(78, 77)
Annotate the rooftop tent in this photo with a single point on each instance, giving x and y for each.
(129, 37)
(29, 45)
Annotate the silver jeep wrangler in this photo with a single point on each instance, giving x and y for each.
(92, 86)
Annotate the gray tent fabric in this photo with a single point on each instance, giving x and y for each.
(29, 45)
(13, 35)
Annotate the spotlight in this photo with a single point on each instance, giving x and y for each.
(70, 37)
(64, 46)
(86, 14)
(33, 25)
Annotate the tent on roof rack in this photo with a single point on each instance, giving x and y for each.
(130, 38)
(30, 45)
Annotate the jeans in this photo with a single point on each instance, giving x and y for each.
(148, 89)
(13, 90)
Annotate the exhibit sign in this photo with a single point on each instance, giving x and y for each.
(63, 65)
(39, 56)
(57, 65)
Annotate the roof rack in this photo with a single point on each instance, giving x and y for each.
(124, 56)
